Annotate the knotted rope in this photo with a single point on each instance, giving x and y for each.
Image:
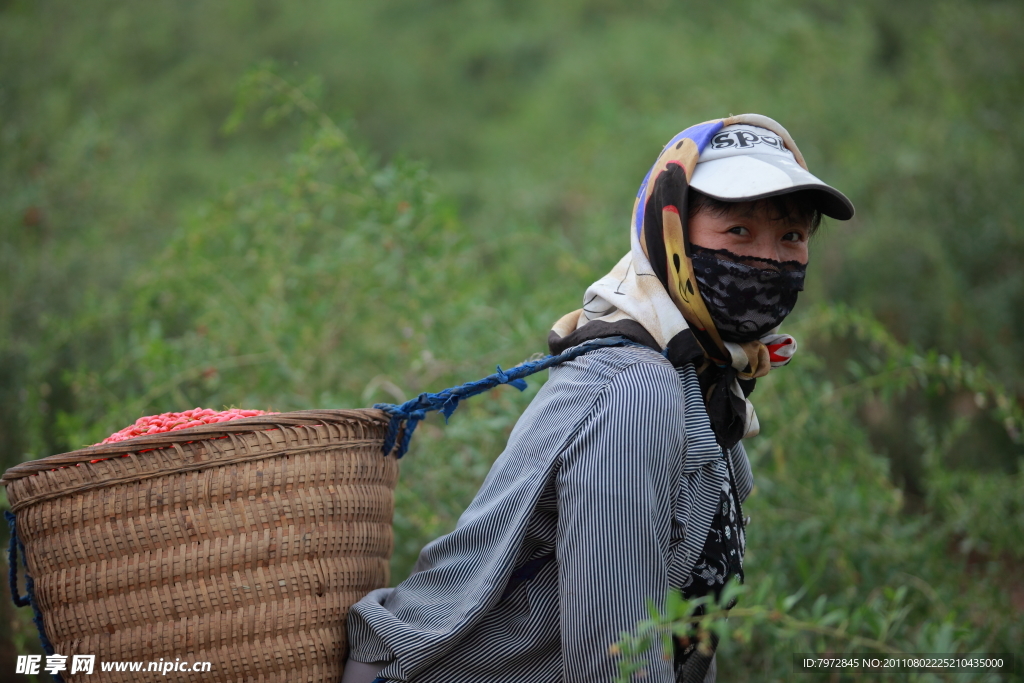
(412, 412)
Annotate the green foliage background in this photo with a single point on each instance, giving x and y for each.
(296, 205)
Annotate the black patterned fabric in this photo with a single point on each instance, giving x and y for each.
(719, 561)
(746, 296)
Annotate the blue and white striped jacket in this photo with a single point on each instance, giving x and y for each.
(601, 501)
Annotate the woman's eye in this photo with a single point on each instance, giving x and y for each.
(793, 237)
(738, 230)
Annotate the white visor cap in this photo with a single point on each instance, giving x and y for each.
(745, 163)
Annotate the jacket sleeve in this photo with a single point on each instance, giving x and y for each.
(615, 500)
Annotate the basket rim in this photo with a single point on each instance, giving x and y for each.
(169, 439)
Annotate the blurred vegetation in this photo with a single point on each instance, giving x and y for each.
(406, 193)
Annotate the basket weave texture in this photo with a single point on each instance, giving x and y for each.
(242, 543)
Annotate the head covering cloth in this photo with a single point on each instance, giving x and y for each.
(651, 294)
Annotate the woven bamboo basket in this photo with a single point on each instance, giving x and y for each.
(243, 544)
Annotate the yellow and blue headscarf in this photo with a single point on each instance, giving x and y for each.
(651, 295)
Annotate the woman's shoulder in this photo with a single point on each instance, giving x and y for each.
(636, 377)
(604, 365)
(628, 385)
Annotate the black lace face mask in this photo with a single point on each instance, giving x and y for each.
(745, 295)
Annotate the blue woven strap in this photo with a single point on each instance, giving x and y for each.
(29, 598)
(412, 412)
(12, 562)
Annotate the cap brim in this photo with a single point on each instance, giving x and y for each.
(749, 177)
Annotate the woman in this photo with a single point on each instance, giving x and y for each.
(624, 477)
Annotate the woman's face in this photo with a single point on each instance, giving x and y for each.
(748, 229)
